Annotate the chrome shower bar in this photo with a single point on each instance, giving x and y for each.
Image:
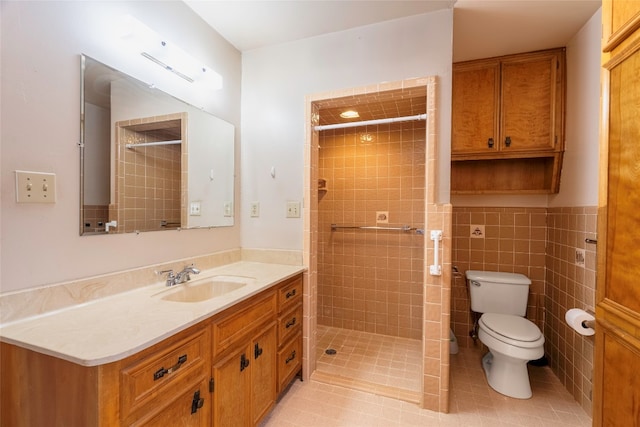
(371, 122)
(404, 228)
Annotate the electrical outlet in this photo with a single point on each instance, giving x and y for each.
(194, 209)
(255, 209)
(35, 187)
(580, 257)
(293, 209)
(228, 209)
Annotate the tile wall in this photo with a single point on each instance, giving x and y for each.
(540, 243)
(570, 284)
(514, 241)
(148, 192)
(371, 280)
(95, 216)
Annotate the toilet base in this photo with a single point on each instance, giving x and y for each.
(507, 375)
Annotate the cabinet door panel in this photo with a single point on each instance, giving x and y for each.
(474, 108)
(230, 397)
(529, 104)
(263, 374)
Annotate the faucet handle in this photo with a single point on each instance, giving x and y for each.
(171, 278)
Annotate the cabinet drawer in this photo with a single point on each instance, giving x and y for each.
(289, 324)
(289, 361)
(230, 330)
(290, 293)
(159, 376)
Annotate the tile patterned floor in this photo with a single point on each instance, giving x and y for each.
(473, 403)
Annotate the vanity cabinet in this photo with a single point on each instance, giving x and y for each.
(224, 371)
(508, 123)
(244, 370)
(289, 331)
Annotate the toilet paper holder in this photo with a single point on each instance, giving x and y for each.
(589, 323)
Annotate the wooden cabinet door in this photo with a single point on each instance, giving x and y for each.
(231, 384)
(529, 107)
(263, 374)
(475, 106)
(616, 397)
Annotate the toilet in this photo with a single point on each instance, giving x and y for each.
(511, 338)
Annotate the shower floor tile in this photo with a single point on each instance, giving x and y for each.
(389, 366)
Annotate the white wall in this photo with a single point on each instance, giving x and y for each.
(275, 81)
(579, 181)
(40, 116)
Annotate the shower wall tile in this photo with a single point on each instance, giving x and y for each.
(372, 280)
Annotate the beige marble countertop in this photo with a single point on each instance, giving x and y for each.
(109, 329)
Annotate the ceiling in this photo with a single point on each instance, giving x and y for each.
(481, 28)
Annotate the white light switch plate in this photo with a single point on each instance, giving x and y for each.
(293, 209)
(35, 187)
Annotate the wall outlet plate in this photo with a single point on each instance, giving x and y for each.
(194, 208)
(580, 257)
(254, 209)
(293, 209)
(228, 209)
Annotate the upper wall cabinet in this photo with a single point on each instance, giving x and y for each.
(505, 110)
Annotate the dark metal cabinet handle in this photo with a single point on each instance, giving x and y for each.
(291, 357)
(490, 143)
(163, 371)
(507, 141)
(197, 402)
(244, 362)
(291, 294)
(290, 323)
(257, 351)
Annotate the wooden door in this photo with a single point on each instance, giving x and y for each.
(616, 398)
(475, 107)
(230, 396)
(529, 107)
(263, 374)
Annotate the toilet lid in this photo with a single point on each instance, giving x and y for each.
(512, 327)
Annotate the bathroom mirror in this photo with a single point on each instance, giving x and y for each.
(149, 161)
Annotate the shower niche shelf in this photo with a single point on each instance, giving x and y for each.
(322, 185)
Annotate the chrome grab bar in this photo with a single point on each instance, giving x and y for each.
(405, 228)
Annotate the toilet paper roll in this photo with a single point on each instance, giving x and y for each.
(575, 318)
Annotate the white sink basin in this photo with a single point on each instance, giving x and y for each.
(206, 289)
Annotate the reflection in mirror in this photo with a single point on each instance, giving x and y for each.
(149, 161)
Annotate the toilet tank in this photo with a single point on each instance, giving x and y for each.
(494, 292)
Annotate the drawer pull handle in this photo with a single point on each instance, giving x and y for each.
(291, 357)
(257, 351)
(291, 294)
(290, 323)
(162, 371)
(507, 141)
(490, 143)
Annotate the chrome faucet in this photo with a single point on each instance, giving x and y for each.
(184, 275)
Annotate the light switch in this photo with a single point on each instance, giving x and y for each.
(255, 209)
(228, 209)
(194, 208)
(35, 187)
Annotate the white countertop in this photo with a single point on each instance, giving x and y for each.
(112, 328)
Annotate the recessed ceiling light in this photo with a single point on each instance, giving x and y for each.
(349, 114)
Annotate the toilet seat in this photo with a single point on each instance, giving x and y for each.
(513, 330)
